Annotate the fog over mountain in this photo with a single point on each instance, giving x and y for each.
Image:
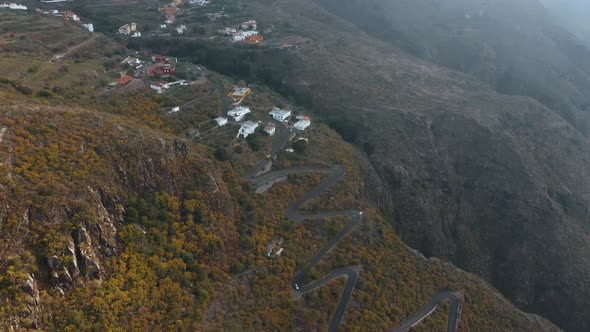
(574, 15)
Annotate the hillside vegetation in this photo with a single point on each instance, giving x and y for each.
(474, 116)
(115, 218)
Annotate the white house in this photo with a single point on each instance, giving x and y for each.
(270, 129)
(13, 6)
(237, 114)
(302, 124)
(239, 37)
(88, 26)
(280, 114)
(247, 128)
(17, 6)
(160, 87)
(181, 29)
(175, 109)
(248, 24)
(221, 121)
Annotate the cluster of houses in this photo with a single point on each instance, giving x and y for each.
(69, 16)
(13, 6)
(247, 128)
(160, 66)
(130, 29)
(244, 33)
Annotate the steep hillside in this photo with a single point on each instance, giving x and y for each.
(495, 183)
(117, 216)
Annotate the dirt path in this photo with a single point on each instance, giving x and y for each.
(75, 47)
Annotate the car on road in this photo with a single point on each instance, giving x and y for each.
(360, 213)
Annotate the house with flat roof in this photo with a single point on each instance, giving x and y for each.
(238, 114)
(221, 121)
(239, 93)
(160, 87)
(280, 114)
(247, 128)
(270, 129)
(302, 124)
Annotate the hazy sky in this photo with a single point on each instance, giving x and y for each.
(572, 14)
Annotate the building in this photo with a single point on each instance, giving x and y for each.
(240, 93)
(162, 69)
(175, 109)
(160, 87)
(247, 128)
(270, 129)
(181, 29)
(248, 24)
(88, 26)
(256, 39)
(163, 26)
(302, 124)
(237, 114)
(221, 121)
(280, 114)
(136, 35)
(127, 29)
(228, 31)
(132, 62)
(124, 80)
(69, 15)
(13, 6)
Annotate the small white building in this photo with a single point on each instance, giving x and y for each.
(302, 124)
(237, 114)
(247, 128)
(136, 35)
(280, 114)
(221, 121)
(175, 109)
(163, 26)
(88, 26)
(181, 29)
(160, 87)
(248, 24)
(279, 252)
(270, 129)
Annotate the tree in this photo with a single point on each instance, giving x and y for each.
(300, 146)
(221, 154)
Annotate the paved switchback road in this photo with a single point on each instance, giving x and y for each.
(262, 178)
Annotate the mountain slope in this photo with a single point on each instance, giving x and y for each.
(495, 183)
(114, 217)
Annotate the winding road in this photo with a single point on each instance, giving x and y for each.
(263, 179)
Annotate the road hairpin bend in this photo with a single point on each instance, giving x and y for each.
(264, 181)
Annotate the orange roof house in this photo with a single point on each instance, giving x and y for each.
(255, 39)
(124, 80)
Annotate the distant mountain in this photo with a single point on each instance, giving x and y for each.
(574, 15)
